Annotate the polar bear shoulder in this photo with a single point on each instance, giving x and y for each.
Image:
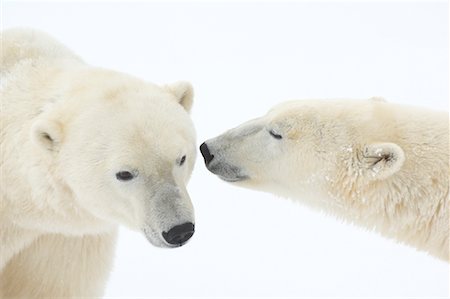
(28, 46)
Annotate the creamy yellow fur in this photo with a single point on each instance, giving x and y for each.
(381, 165)
(66, 129)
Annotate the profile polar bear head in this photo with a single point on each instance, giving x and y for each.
(300, 147)
(124, 149)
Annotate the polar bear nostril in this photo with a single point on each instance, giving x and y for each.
(180, 234)
(206, 154)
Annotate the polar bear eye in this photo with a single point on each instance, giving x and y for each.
(275, 135)
(124, 176)
(182, 160)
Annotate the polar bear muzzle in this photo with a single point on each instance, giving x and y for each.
(219, 165)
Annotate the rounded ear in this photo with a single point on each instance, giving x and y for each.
(47, 134)
(183, 92)
(383, 159)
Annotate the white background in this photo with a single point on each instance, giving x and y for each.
(242, 58)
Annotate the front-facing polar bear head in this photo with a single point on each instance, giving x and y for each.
(125, 150)
(300, 148)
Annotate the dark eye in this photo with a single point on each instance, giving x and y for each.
(275, 135)
(182, 160)
(124, 176)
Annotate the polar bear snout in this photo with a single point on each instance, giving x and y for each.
(179, 234)
(218, 162)
(206, 153)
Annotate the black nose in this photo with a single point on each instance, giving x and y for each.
(178, 235)
(206, 154)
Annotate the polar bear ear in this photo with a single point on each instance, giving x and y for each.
(183, 92)
(383, 159)
(47, 134)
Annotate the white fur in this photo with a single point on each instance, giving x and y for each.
(66, 129)
(381, 165)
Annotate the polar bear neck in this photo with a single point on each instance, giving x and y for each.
(411, 206)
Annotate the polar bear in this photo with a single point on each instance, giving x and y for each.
(84, 149)
(381, 165)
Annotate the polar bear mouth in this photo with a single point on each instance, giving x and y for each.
(233, 179)
(227, 172)
(216, 164)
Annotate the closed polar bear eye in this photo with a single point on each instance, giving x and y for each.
(275, 135)
(124, 176)
(182, 160)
